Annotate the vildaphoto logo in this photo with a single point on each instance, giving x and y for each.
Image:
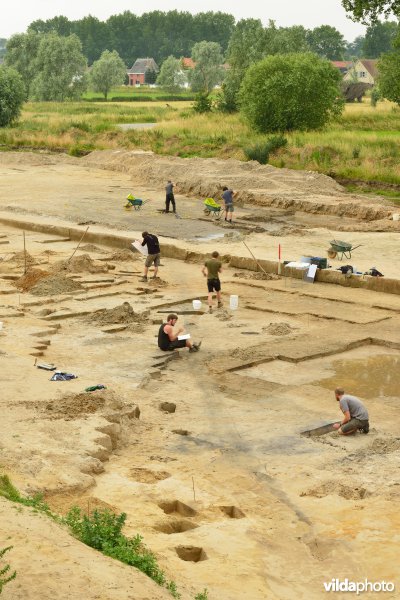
(358, 587)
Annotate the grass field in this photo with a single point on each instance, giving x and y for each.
(362, 148)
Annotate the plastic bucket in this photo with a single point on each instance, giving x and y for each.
(196, 304)
(233, 302)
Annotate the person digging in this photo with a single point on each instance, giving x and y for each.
(212, 268)
(355, 414)
(168, 336)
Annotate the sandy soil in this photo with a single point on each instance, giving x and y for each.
(226, 478)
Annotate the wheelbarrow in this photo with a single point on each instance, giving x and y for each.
(212, 208)
(342, 248)
(136, 203)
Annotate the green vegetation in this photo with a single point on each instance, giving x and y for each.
(107, 72)
(363, 145)
(101, 530)
(261, 151)
(5, 575)
(12, 95)
(289, 92)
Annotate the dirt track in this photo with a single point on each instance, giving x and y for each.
(275, 513)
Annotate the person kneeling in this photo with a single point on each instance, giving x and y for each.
(355, 414)
(168, 336)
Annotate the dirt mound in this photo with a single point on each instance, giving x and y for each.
(92, 248)
(123, 313)
(385, 445)
(289, 230)
(350, 492)
(73, 406)
(19, 258)
(55, 284)
(158, 282)
(79, 264)
(122, 255)
(30, 279)
(259, 275)
(278, 328)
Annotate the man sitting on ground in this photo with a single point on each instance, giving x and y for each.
(168, 336)
(355, 414)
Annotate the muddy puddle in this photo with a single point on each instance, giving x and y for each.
(369, 372)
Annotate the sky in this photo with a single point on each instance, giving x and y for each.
(309, 13)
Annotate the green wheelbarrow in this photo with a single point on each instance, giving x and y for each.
(342, 248)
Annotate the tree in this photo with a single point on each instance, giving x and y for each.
(61, 68)
(327, 41)
(12, 95)
(389, 74)
(150, 76)
(293, 91)
(107, 72)
(355, 49)
(208, 71)
(369, 10)
(379, 38)
(171, 76)
(22, 49)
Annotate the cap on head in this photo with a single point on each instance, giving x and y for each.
(339, 391)
(215, 254)
(172, 317)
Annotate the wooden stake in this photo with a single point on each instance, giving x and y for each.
(194, 491)
(80, 241)
(264, 271)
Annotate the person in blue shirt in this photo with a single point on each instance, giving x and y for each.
(227, 197)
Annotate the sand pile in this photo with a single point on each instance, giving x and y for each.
(158, 282)
(259, 275)
(123, 255)
(30, 279)
(278, 328)
(73, 406)
(92, 248)
(54, 285)
(79, 264)
(123, 313)
(19, 258)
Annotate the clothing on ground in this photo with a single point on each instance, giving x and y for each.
(151, 241)
(355, 407)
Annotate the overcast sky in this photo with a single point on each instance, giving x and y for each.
(18, 14)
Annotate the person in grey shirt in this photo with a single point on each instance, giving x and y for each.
(355, 414)
(169, 196)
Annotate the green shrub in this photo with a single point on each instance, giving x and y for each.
(5, 576)
(203, 103)
(80, 149)
(202, 595)
(261, 151)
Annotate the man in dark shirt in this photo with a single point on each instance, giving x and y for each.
(212, 268)
(227, 197)
(168, 336)
(153, 248)
(169, 196)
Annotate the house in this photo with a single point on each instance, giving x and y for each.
(342, 65)
(137, 73)
(187, 63)
(363, 71)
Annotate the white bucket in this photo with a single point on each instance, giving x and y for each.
(196, 304)
(233, 302)
(396, 216)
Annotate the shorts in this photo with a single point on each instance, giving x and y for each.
(153, 258)
(355, 424)
(176, 344)
(213, 285)
(229, 208)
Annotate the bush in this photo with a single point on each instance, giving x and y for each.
(261, 151)
(12, 96)
(291, 91)
(203, 103)
(80, 150)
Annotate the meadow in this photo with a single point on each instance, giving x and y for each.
(361, 149)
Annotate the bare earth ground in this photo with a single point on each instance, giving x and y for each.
(227, 478)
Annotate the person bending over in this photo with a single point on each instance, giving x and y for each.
(168, 336)
(355, 414)
(153, 248)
